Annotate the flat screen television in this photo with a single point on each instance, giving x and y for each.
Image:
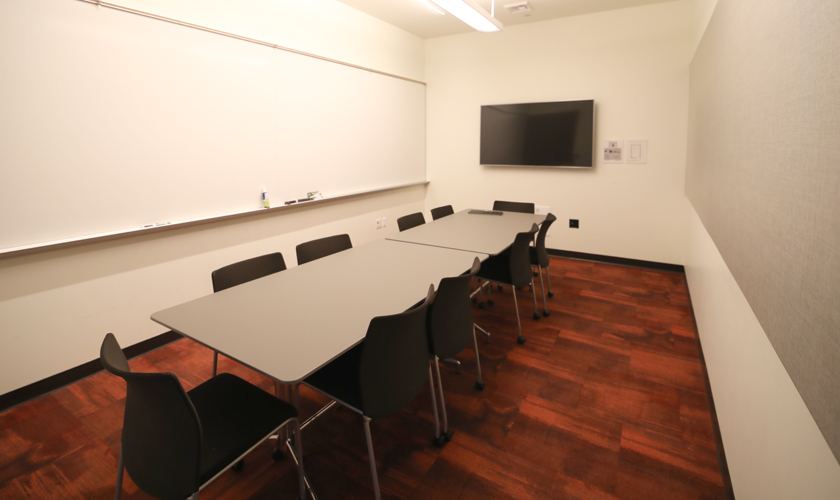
(538, 134)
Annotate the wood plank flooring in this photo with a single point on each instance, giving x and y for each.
(606, 400)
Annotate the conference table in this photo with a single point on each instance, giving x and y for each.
(473, 232)
(290, 324)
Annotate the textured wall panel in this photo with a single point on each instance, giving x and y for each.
(764, 175)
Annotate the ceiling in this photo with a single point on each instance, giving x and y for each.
(416, 18)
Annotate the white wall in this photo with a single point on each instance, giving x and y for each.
(230, 117)
(327, 28)
(57, 305)
(633, 62)
(774, 448)
(702, 11)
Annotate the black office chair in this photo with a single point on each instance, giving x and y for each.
(411, 220)
(514, 206)
(451, 328)
(441, 212)
(539, 258)
(512, 267)
(382, 374)
(243, 272)
(174, 443)
(316, 249)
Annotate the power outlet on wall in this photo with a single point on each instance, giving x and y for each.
(574, 224)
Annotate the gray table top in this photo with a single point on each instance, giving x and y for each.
(489, 234)
(289, 324)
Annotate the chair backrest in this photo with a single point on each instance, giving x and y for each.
(441, 212)
(520, 257)
(450, 322)
(247, 270)
(316, 249)
(514, 206)
(411, 220)
(542, 253)
(395, 360)
(161, 436)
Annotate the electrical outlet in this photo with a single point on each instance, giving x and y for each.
(378, 223)
(574, 224)
(384, 222)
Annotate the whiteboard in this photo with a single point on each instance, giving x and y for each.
(111, 121)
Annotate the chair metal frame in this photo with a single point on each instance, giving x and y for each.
(520, 246)
(539, 257)
(115, 362)
(447, 323)
(416, 309)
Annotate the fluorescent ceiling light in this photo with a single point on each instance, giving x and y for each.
(470, 12)
(432, 6)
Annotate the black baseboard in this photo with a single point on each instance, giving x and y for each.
(67, 377)
(724, 467)
(646, 264)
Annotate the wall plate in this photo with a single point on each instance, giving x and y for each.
(637, 151)
(613, 151)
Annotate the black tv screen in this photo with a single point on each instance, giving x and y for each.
(538, 134)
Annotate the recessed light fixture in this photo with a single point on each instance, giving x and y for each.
(471, 13)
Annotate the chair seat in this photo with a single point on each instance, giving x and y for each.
(234, 415)
(340, 378)
(496, 268)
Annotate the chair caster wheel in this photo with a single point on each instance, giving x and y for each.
(479, 386)
(499, 287)
(535, 273)
(238, 465)
(520, 339)
(481, 305)
(537, 316)
(439, 441)
(551, 294)
(489, 302)
(546, 312)
(447, 435)
(278, 454)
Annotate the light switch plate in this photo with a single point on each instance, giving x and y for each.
(637, 150)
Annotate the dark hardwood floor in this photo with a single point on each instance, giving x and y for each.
(606, 400)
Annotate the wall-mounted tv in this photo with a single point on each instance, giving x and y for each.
(538, 134)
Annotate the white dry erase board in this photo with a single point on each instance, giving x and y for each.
(110, 121)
